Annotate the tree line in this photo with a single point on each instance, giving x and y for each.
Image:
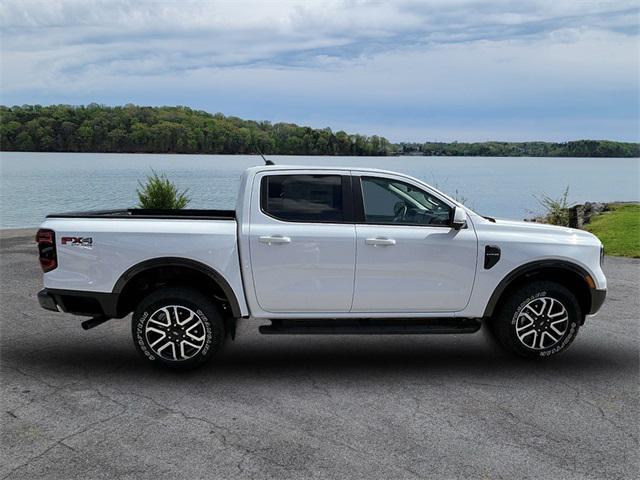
(136, 129)
(577, 148)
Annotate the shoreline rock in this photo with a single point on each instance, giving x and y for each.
(579, 215)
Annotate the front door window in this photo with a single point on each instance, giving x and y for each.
(388, 201)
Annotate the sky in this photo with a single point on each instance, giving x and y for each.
(440, 70)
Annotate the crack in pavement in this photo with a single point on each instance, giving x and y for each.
(62, 442)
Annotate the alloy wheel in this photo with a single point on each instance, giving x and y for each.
(175, 332)
(542, 323)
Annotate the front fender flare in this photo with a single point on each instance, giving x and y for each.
(530, 269)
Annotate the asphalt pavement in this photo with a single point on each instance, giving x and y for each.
(83, 405)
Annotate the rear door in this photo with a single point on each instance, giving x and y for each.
(302, 242)
(409, 258)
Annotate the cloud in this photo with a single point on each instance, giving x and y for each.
(414, 64)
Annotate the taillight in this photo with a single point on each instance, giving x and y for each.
(47, 248)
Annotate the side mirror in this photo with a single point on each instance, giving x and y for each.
(459, 218)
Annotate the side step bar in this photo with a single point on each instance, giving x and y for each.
(371, 326)
(94, 322)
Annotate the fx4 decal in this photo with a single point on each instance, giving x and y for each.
(77, 241)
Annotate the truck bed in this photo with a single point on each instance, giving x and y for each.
(115, 244)
(137, 213)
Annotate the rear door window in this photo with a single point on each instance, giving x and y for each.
(303, 198)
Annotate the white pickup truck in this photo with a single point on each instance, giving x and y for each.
(321, 251)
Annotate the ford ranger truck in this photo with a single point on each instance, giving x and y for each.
(321, 251)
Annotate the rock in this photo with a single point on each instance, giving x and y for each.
(579, 215)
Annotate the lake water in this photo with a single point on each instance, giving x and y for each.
(34, 184)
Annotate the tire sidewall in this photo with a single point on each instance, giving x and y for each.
(526, 295)
(213, 326)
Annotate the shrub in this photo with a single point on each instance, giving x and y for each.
(556, 209)
(160, 193)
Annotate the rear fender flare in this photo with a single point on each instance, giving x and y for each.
(180, 262)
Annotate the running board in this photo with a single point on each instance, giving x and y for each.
(371, 326)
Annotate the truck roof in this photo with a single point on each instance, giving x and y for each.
(270, 168)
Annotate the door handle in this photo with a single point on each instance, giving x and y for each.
(269, 239)
(383, 242)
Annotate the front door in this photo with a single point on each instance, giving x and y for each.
(302, 243)
(408, 257)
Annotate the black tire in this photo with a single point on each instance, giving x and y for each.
(530, 321)
(177, 327)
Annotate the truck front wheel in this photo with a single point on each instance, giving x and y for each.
(540, 319)
(177, 327)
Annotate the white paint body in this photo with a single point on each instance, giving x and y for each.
(324, 269)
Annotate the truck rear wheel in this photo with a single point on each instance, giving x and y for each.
(177, 327)
(540, 319)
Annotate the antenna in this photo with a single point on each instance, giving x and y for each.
(266, 162)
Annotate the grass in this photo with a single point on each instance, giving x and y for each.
(618, 230)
